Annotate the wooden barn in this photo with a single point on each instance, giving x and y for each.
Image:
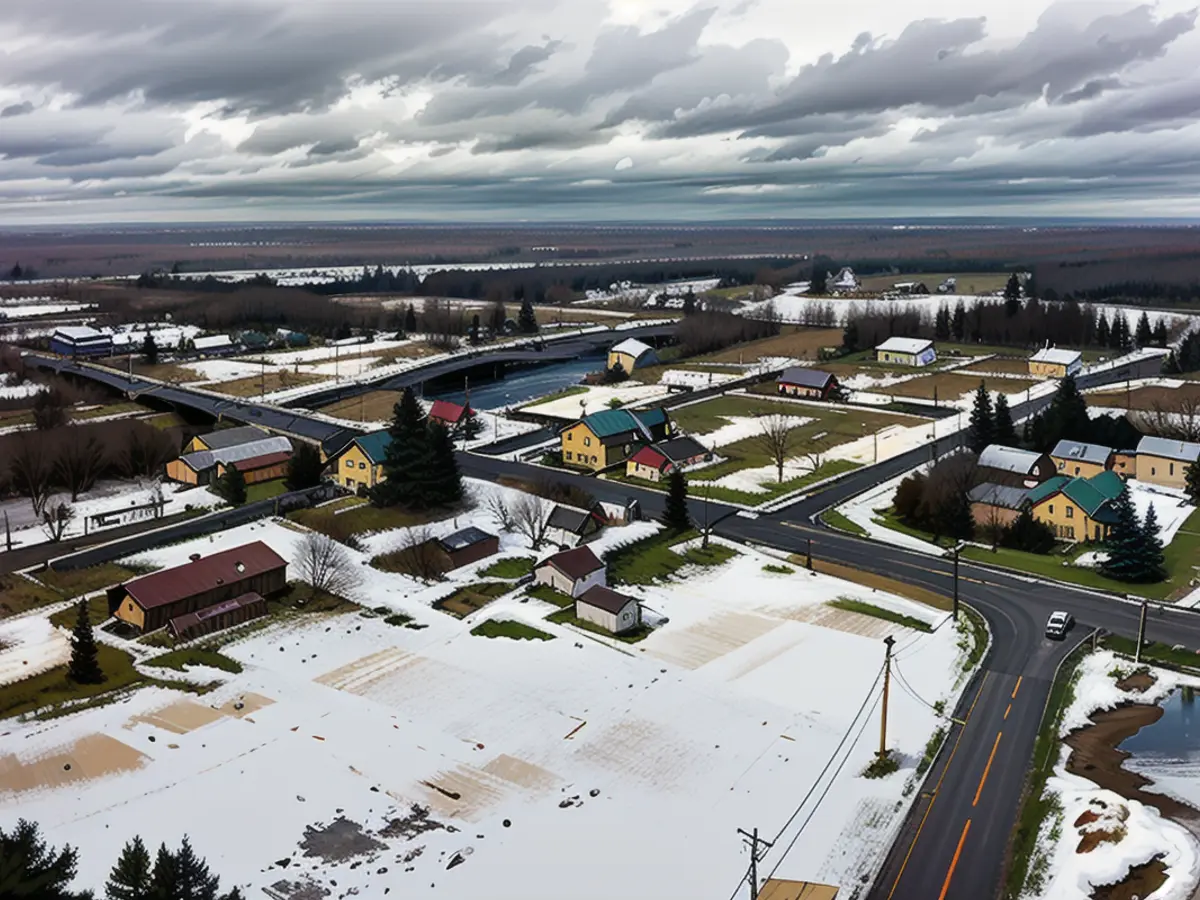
(218, 617)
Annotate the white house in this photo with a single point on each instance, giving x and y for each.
(845, 280)
(906, 351)
(572, 571)
(613, 612)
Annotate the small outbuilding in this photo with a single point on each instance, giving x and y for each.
(1013, 467)
(469, 545)
(613, 612)
(449, 413)
(1079, 460)
(571, 571)
(218, 617)
(226, 437)
(1165, 462)
(200, 467)
(80, 340)
(215, 345)
(906, 351)
(257, 469)
(1054, 363)
(800, 381)
(569, 527)
(631, 354)
(654, 461)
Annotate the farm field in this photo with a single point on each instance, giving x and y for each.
(1146, 397)
(372, 406)
(949, 386)
(274, 380)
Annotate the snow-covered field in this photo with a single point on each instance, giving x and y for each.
(520, 756)
(30, 645)
(20, 391)
(1072, 875)
(596, 398)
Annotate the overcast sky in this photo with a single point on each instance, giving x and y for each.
(508, 110)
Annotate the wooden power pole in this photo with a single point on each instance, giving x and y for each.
(887, 684)
(754, 841)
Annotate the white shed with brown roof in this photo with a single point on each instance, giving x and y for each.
(571, 571)
(613, 612)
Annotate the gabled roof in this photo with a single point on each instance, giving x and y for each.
(681, 448)
(1009, 459)
(206, 459)
(213, 342)
(1184, 451)
(805, 377)
(650, 456)
(447, 411)
(466, 537)
(1047, 488)
(905, 345)
(1108, 483)
(79, 333)
(1056, 356)
(231, 437)
(1090, 453)
(260, 462)
(569, 519)
(575, 564)
(998, 495)
(605, 598)
(609, 422)
(204, 574)
(631, 346)
(374, 445)
(1084, 493)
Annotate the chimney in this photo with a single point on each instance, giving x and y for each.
(194, 557)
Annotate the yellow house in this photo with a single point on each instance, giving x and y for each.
(359, 465)
(1078, 460)
(630, 354)
(1054, 363)
(225, 437)
(1166, 462)
(1078, 509)
(610, 437)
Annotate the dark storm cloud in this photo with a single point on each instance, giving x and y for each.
(256, 58)
(333, 147)
(100, 152)
(17, 109)
(523, 63)
(1093, 88)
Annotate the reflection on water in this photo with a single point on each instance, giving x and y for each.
(523, 385)
(1168, 752)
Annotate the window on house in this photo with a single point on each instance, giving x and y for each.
(570, 437)
(1077, 470)
(1153, 470)
(1051, 509)
(567, 454)
(1172, 470)
(1070, 512)
(587, 442)
(349, 464)
(362, 465)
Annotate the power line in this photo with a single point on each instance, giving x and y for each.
(911, 689)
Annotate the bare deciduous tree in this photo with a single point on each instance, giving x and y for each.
(55, 519)
(1177, 418)
(531, 518)
(419, 556)
(776, 440)
(500, 512)
(326, 565)
(32, 469)
(80, 462)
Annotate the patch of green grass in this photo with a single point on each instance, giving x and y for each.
(403, 620)
(97, 613)
(931, 750)
(179, 660)
(835, 519)
(512, 568)
(567, 617)
(1153, 652)
(778, 570)
(507, 628)
(1037, 805)
(75, 582)
(772, 489)
(161, 638)
(973, 636)
(265, 490)
(550, 595)
(467, 600)
(878, 612)
(364, 518)
(882, 766)
(18, 594)
(559, 395)
(53, 688)
(653, 559)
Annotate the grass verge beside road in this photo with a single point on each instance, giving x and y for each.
(879, 612)
(835, 519)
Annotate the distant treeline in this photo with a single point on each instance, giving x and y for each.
(1166, 280)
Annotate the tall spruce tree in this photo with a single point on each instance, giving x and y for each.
(1102, 329)
(941, 323)
(526, 320)
(983, 427)
(1065, 418)
(1154, 563)
(195, 880)
(1143, 335)
(958, 322)
(28, 868)
(164, 878)
(231, 486)
(819, 283)
(675, 512)
(150, 350)
(130, 877)
(445, 480)
(1005, 433)
(1125, 560)
(407, 462)
(84, 667)
(410, 319)
(1192, 482)
(1012, 295)
(1160, 333)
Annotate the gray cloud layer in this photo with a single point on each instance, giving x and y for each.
(448, 107)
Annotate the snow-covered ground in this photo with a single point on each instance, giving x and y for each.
(19, 391)
(528, 755)
(12, 313)
(1147, 834)
(861, 511)
(596, 398)
(30, 645)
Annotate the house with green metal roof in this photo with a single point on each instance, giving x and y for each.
(1078, 509)
(611, 436)
(359, 464)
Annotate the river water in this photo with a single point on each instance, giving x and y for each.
(523, 385)
(1168, 752)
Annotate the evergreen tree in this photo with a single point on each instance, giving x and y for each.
(1116, 334)
(958, 322)
(473, 333)
(164, 879)
(819, 284)
(1125, 560)
(1160, 333)
(526, 320)
(1066, 417)
(1102, 329)
(850, 336)
(407, 462)
(445, 482)
(675, 512)
(1012, 295)
(28, 868)
(1144, 335)
(410, 319)
(195, 880)
(84, 667)
(1154, 564)
(233, 894)
(983, 426)
(305, 467)
(941, 323)
(689, 302)
(150, 350)
(231, 486)
(1126, 342)
(1192, 484)
(1002, 421)
(497, 316)
(130, 877)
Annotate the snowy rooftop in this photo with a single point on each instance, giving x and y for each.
(905, 345)
(1056, 356)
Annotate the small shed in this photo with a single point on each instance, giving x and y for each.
(218, 617)
(568, 527)
(800, 381)
(256, 469)
(631, 354)
(613, 612)
(906, 351)
(1055, 363)
(215, 345)
(571, 571)
(469, 545)
(449, 414)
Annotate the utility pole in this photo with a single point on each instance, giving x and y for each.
(754, 840)
(704, 541)
(875, 455)
(1137, 653)
(808, 561)
(262, 379)
(887, 684)
(956, 552)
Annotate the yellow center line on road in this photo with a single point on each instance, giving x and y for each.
(937, 788)
(1007, 711)
(986, 769)
(1017, 687)
(954, 862)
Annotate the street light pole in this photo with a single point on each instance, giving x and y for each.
(887, 684)
(1137, 653)
(957, 549)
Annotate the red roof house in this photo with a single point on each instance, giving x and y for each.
(449, 413)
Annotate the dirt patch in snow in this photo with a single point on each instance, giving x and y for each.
(1142, 881)
(93, 756)
(1094, 755)
(180, 717)
(416, 823)
(1139, 682)
(339, 841)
